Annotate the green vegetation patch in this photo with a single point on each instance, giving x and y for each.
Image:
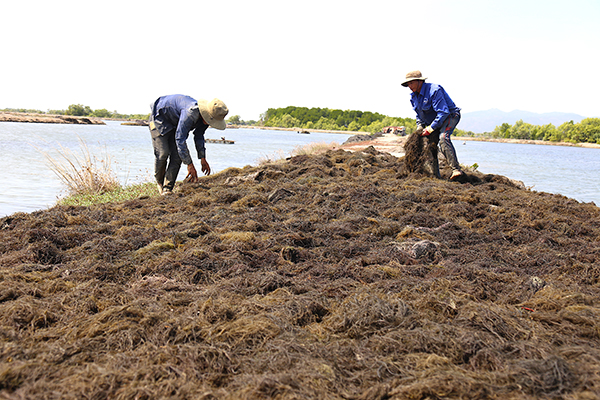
(119, 194)
(586, 131)
(331, 119)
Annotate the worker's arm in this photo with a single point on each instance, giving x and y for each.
(187, 121)
(440, 107)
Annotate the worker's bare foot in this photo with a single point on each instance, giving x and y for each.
(455, 174)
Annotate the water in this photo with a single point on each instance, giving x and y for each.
(570, 171)
(30, 185)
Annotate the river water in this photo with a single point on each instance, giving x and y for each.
(566, 170)
(30, 185)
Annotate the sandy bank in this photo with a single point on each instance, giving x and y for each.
(48, 119)
(394, 145)
(523, 141)
(299, 130)
(387, 143)
(393, 141)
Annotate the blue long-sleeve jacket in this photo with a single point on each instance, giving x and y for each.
(432, 105)
(180, 113)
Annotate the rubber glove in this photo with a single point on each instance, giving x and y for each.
(427, 131)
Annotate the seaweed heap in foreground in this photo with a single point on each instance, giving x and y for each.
(329, 276)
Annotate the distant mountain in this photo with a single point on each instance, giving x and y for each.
(486, 121)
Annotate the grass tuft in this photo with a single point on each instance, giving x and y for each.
(307, 149)
(83, 174)
(90, 179)
(119, 194)
(314, 148)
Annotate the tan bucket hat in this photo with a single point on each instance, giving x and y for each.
(413, 76)
(213, 112)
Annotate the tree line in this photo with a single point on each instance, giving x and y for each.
(237, 120)
(586, 131)
(79, 110)
(332, 119)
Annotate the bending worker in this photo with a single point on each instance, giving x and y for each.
(172, 119)
(437, 115)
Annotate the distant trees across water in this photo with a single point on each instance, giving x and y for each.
(79, 110)
(586, 131)
(328, 119)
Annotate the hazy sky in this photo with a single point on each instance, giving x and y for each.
(539, 56)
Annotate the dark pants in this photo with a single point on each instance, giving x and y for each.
(166, 157)
(446, 143)
(441, 137)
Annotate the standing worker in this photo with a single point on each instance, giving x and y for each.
(436, 114)
(172, 119)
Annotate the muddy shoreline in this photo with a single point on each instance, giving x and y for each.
(401, 139)
(48, 119)
(522, 141)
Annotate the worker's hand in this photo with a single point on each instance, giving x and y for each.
(205, 166)
(427, 131)
(192, 176)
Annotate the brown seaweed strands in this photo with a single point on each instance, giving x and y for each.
(415, 157)
(332, 276)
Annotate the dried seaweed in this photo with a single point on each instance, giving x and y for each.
(343, 275)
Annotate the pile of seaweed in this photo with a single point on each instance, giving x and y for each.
(338, 276)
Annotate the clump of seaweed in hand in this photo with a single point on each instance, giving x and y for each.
(415, 156)
(420, 154)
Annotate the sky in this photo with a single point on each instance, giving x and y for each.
(538, 56)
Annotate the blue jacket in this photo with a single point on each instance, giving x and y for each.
(179, 113)
(432, 105)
